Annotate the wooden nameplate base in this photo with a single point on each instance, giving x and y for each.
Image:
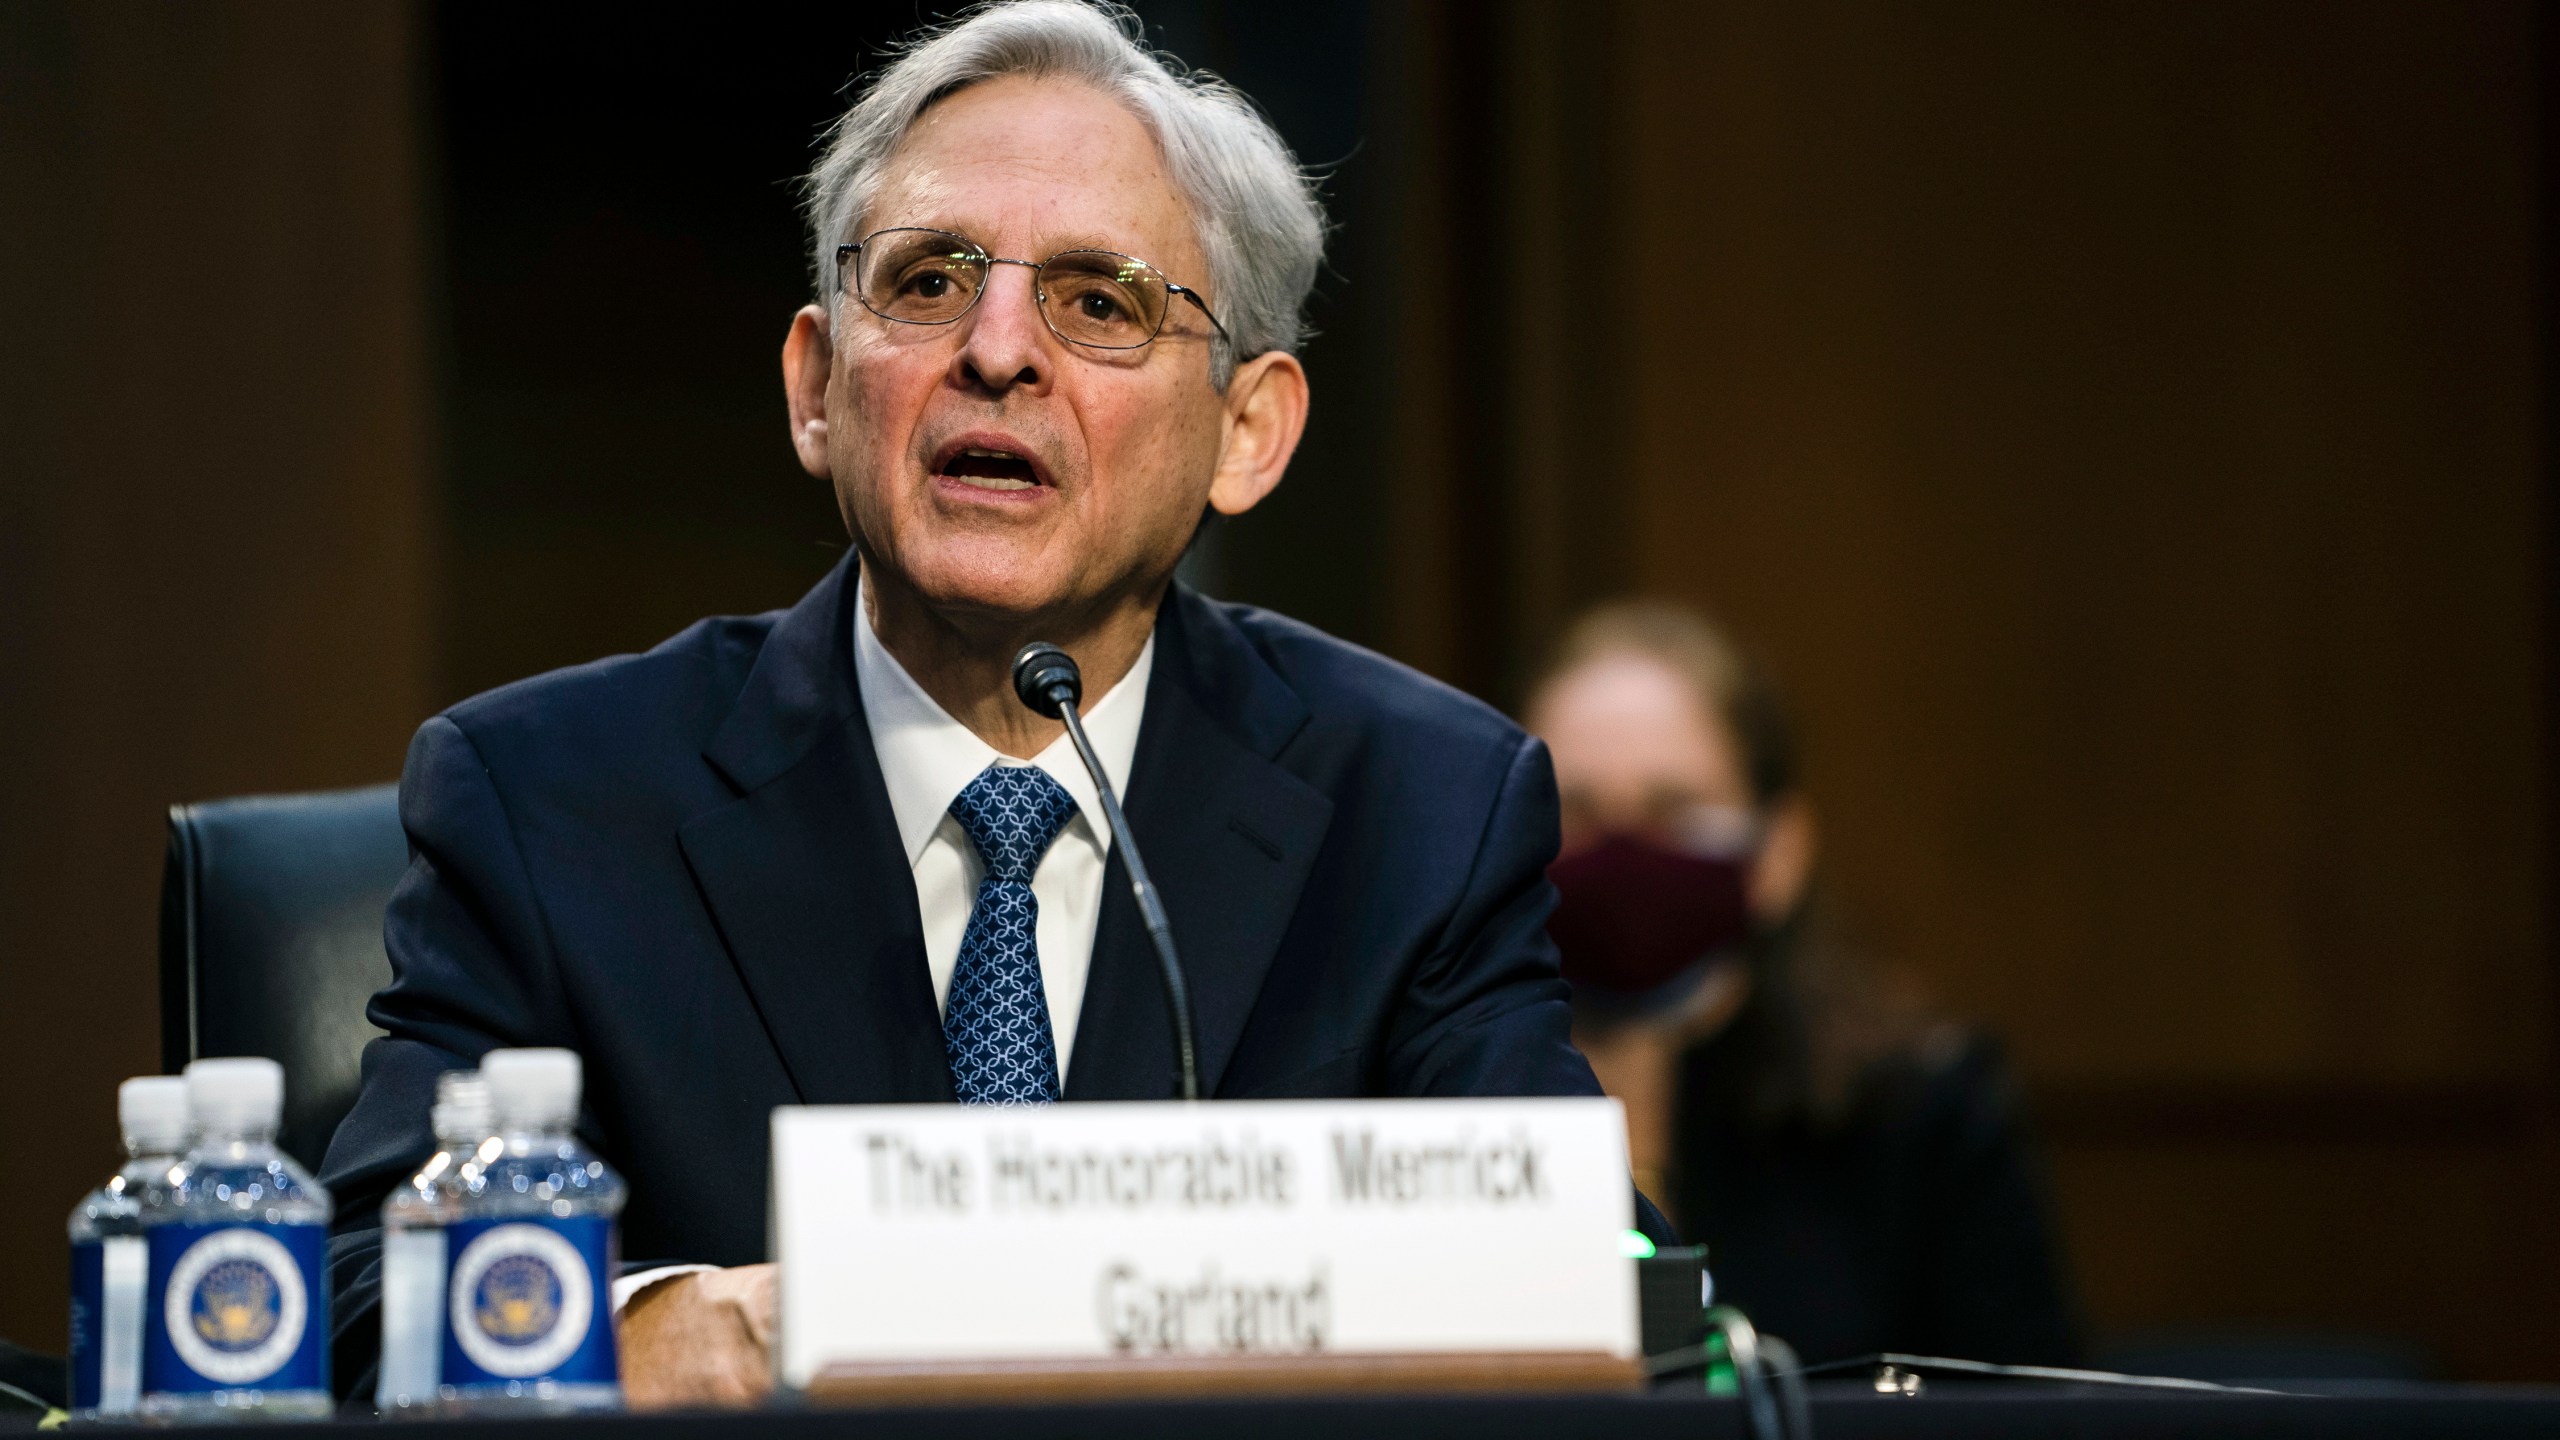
(1014, 1382)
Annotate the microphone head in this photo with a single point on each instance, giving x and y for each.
(1045, 676)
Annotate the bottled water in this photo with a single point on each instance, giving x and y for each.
(413, 1221)
(237, 1319)
(529, 1296)
(110, 1263)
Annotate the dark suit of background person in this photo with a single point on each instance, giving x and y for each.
(682, 864)
(1913, 1220)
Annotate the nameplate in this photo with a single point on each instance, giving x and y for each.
(1161, 1232)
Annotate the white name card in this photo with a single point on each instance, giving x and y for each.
(949, 1233)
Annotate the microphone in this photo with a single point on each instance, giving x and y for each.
(1047, 680)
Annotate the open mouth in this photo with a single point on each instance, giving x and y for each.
(986, 469)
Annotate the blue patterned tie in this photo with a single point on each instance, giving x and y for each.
(995, 1026)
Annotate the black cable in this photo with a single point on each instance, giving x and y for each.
(1781, 1359)
(1764, 1417)
(1177, 992)
(1761, 1362)
(1045, 679)
(2031, 1372)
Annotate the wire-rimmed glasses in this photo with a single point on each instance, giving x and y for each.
(1097, 298)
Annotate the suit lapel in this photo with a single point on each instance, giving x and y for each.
(806, 877)
(1229, 837)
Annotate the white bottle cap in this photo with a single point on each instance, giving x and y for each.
(236, 1096)
(152, 1109)
(532, 1089)
(461, 1114)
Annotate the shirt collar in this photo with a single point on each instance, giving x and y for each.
(928, 758)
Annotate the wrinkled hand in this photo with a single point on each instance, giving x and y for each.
(700, 1339)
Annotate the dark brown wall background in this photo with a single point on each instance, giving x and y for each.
(216, 548)
(2132, 426)
(2118, 425)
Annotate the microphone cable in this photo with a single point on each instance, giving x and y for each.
(1770, 1382)
(1047, 679)
(1922, 1364)
(1766, 1376)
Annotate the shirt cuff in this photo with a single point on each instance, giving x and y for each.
(630, 1285)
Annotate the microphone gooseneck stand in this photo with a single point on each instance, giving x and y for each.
(1046, 679)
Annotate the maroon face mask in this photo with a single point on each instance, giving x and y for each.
(1632, 915)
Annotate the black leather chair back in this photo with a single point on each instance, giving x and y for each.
(271, 941)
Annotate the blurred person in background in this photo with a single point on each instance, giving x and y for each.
(1855, 1166)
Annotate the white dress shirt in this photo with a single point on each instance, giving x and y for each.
(928, 758)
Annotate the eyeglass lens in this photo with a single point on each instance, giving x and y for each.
(1090, 297)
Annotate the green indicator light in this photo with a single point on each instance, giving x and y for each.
(1634, 1245)
(1722, 1378)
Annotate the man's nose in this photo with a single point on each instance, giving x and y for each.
(1006, 342)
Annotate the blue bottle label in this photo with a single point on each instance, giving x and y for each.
(530, 1298)
(237, 1307)
(88, 1311)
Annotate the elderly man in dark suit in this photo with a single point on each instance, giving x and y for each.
(827, 856)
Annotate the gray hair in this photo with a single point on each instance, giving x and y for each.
(1256, 212)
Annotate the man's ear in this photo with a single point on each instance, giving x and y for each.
(808, 360)
(1266, 413)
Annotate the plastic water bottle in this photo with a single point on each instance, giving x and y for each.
(413, 1251)
(529, 1298)
(110, 1263)
(237, 1316)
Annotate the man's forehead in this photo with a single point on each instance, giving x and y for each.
(1005, 220)
(1040, 166)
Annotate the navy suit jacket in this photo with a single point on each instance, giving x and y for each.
(683, 866)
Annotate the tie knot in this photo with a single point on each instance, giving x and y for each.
(1012, 812)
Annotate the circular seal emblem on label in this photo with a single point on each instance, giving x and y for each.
(236, 1306)
(521, 1301)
